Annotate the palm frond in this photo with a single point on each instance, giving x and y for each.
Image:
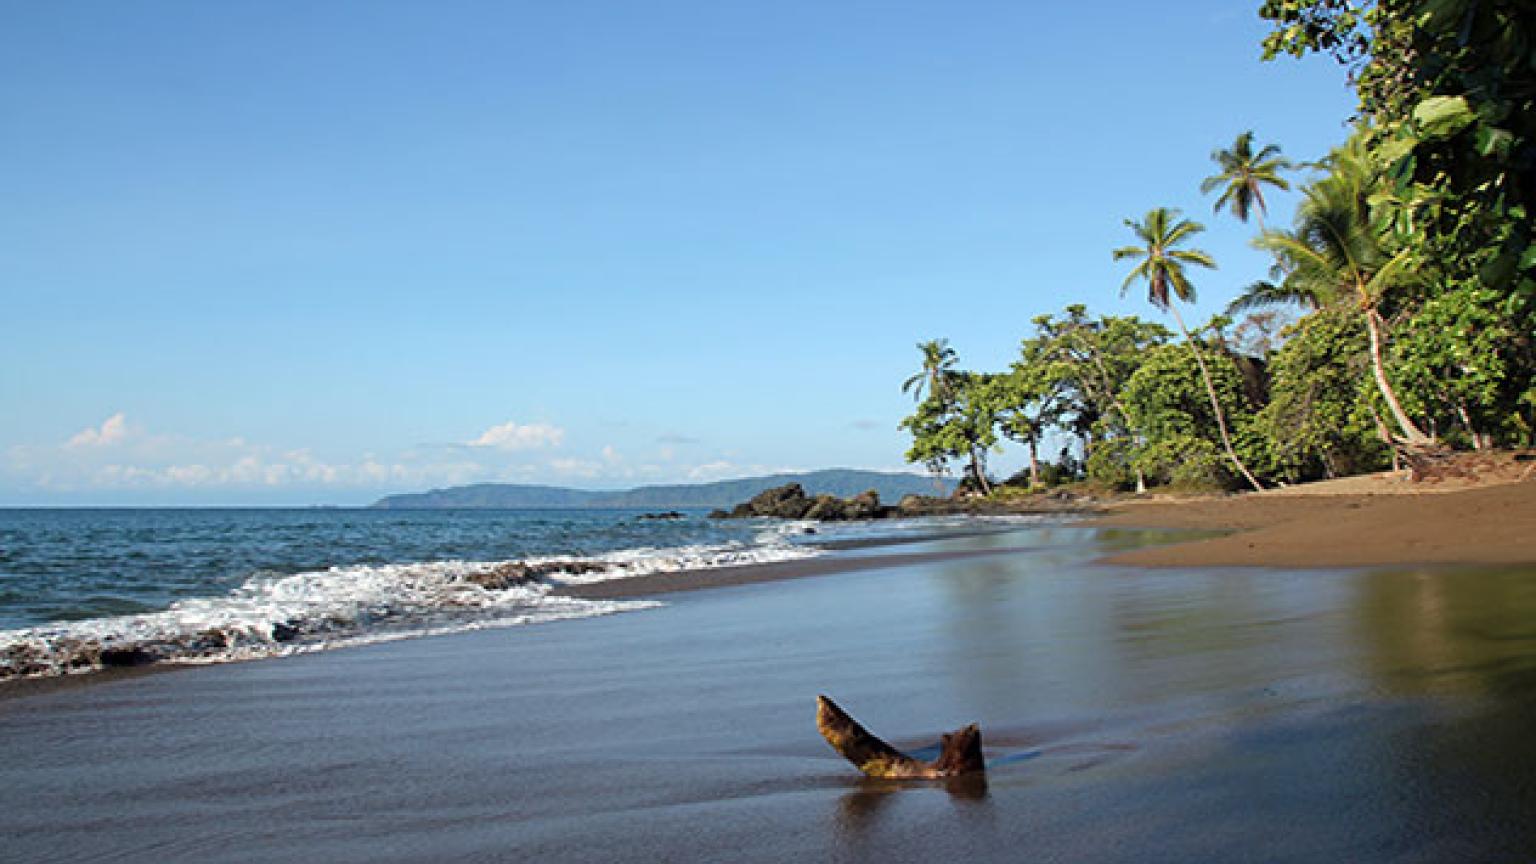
(1193, 256)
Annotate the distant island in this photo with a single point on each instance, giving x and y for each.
(842, 482)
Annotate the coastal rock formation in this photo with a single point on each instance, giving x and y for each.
(960, 755)
(790, 502)
(515, 573)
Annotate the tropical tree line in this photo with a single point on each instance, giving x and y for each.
(1398, 317)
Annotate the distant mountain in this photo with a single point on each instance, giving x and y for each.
(841, 482)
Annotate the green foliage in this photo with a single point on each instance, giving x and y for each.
(1448, 90)
(1458, 359)
(1319, 422)
(1185, 463)
(1411, 264)
(958, 423)
(1109, 465)
(1169, 404)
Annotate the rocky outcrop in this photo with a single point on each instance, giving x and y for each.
(515, 573)
(790, 502)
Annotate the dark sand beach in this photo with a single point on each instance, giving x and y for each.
(1360, 522)
(1129, 715)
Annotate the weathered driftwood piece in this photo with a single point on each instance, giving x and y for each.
(961, 753)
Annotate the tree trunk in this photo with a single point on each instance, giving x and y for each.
(1412, 435)
(1478, 442)
(1384, 432)
(978, 473)
(961, 752)
(1034, 463)
(1210, 390)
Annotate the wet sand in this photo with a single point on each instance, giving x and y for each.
(846, 557)
(1401, 526)
(1129, 716)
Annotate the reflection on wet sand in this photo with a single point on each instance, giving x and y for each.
(1448, 631)
(861, 811)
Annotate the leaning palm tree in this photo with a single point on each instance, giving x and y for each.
(1335, 255)
(938, 367)
(1162, 267)
(1243, 176)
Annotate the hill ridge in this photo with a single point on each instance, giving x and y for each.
(842, 482)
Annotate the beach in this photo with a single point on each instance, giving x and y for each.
(1361, 522)
(1128, 714)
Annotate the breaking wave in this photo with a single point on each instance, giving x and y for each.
(273, 614)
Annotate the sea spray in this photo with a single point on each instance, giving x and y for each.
(85, 589)
(274, 614)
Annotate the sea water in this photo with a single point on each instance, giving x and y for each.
(86, 588)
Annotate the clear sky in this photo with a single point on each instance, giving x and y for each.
(270, 253)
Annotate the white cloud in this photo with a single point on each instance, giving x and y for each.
(512, 436)
(113, 430)
(122, 457)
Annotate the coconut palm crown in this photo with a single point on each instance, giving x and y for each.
(938, 365)
(1243, 176)
(1162, 264)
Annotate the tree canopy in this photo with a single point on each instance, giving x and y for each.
(1409, 267)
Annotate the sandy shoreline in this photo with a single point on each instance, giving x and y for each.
(749, 574)
(1196, 716)
(1391, 524)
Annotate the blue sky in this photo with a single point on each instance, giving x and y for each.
(313, 252)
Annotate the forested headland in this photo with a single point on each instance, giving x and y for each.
(1397, 321)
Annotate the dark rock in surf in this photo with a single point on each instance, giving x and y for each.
(865, 505)
(517, 573)
(825, 508)
(781, 502)
(126, 657)
(790, 502)
(22, 660)
(670, 515)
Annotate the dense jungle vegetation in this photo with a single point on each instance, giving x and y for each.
(1398, 318)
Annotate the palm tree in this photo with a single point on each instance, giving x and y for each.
(1335, 255)
(1243, 176)
(938, 367)
(1264, 294)
(1162, 267)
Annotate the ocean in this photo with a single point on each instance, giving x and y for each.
(81, 589)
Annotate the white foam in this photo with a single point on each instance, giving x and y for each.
(630, 563)
(274, 615)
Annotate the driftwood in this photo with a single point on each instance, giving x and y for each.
(961, 753)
